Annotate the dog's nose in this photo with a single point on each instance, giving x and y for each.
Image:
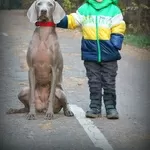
(44, 11)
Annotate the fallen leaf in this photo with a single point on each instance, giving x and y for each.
(46, 125)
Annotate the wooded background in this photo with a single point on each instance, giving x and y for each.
(136, 12)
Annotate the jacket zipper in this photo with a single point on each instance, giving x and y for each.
(98, 43)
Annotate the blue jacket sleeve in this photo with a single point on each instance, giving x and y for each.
(63, 23)
(117, 40)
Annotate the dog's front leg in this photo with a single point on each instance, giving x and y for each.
(31, 74)
(50, 112)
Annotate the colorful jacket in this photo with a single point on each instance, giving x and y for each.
(102, 27)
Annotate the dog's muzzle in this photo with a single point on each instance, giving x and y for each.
(43, 15)
(44, 12)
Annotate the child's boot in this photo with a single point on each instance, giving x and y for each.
(95, 108)
(93, 113)
(96, 102)
(110, 105)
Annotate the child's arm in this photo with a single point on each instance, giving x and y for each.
(71, 21)
(118, 28)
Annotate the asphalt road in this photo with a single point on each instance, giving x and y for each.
(130, 132)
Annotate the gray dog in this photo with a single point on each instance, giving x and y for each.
(45, 62)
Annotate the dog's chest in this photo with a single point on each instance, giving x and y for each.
(42, 55)
(42, 60)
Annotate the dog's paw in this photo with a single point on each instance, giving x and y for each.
(31, 116)
(68, 113)
(49, 116)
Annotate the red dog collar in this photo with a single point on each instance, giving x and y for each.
(45, 24)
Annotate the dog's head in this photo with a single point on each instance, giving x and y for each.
(45, 10)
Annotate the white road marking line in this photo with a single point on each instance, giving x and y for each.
(92, 131)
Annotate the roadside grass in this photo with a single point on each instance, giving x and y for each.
(141, 41)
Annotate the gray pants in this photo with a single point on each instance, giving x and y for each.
(102, 76)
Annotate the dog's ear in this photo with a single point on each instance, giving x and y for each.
(32, 13)
(58, 13)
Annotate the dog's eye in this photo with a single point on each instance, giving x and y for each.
(40, 3)
(50, 4)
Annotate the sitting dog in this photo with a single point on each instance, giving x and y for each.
(45, 62)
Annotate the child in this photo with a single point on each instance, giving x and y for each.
(103, 30)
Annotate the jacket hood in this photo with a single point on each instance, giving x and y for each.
(101, 5)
